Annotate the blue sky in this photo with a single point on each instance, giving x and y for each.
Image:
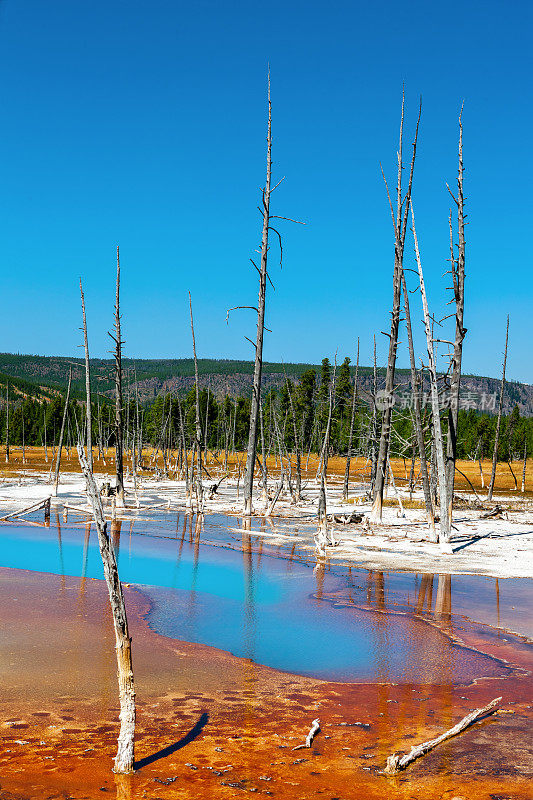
(143, 124)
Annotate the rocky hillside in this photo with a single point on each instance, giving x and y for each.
(153, 377)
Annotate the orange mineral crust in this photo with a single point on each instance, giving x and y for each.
(212, 725)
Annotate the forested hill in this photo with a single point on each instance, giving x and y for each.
(153, 377)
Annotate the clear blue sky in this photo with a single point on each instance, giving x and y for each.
(143, 124)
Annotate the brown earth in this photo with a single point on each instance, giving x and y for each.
(214, 726)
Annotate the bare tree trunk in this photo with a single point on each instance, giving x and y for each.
(512, 473)
(322, 500)
(137, 435)
(206, 425)
(186, 456)
(524, 468)
(100, 429)
(298, 487)
(233, 427)
(499, 421)
(373, 428)
(479, 456)
(400, 227)
(417, 415)
(263, 457)
(45, 445)
(199, 488)
(87, 384)
(458, 277)
(62, 432)
(256, 393)
(445, 522)
(23, 445)
(350, 436)
(324, 453)
(7, 423)
(119, 464)
(124, 760)
(322, 520)
(395, 490)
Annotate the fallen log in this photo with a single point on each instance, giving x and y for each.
(345, 519)
(28, 510)
(213, 490)
(496, 512)
(397, 762)
(78, 509)
(270, 509)
(315, 727)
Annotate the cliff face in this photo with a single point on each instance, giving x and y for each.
(478, 393)
(153, 377)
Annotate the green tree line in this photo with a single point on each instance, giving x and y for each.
(294, 416)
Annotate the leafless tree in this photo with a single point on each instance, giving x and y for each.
(350, 435)
(45, 444)
(445, 522)
(251, 451)
(198, 427)
(417, 411)
(374, 425)
(258, 367)
(399, 221)
(7, 422)
(457, 271)
(499, 420)
(87, 384)
(124, 760)
(479, 455)
(62, 431)
(119, 451)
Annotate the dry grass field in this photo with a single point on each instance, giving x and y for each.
(35, 461)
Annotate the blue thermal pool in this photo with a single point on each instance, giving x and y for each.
(274, 611)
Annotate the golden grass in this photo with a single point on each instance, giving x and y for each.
(35, 461)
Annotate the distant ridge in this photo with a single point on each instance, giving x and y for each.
(224, 376)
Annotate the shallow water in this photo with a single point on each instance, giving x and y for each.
(274, 611)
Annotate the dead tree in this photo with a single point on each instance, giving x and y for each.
(315, 728)
(198, 427)
(23, 436)
(400, 761)
(186, 458)
(373, 426)
(7, 423)
(119, 464)
(524, 467)
(399, 222)
(499, 420)
(45, 445)
(298, 487)
(350, 435)
(258, 367)
(87, 384)
(324, 452)
(322, 531)
(457, 271)
(267, 190)
(264, 467)
(445, 522)
(124, 760)
(512, 473)
(62, 431)
(417, 411)
(479, 455)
